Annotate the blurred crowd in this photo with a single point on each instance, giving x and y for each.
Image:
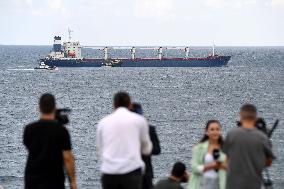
(125, 144)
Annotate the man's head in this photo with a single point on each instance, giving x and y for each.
(121, 99)
(137, 108)
(47, 104)
(179, 172)
(248, 114)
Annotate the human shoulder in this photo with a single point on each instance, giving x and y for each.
(261, 134)
(235, 130)
(164, 184)
(32, 124)
(137, 118)
(140, 117)
(200, 146)
(105, 119)
(232, 133)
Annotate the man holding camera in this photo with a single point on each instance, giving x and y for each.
(248, 150)
(49, 150)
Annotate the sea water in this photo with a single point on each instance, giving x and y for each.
(178, 101)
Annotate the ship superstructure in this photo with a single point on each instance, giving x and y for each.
(70, 55)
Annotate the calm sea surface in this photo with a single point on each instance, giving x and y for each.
(178, 101)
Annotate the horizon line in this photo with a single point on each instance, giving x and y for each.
(245, 45)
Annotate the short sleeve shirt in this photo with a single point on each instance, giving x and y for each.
(168, 184)
(247, 150)
(45, 142)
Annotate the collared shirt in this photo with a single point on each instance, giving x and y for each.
(121, 139)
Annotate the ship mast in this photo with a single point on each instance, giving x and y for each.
(160, 53)
(105, 52)
(132, 50)
(69, 33)
(213, 49)
(186, 50)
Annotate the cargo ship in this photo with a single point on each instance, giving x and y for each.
(69, 54)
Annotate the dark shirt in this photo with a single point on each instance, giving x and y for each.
(45, 141)
(149, 174)
(247, 150)
(168, 184)
(155, 151)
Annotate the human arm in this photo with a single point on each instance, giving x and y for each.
(197, 165)
(146, 144)
(213, 165)
(227, 145)
(197, 161)
(223, 164)
(69, 163)
(26, 137)
(155, 141)
(98, 140)
(268, 152)
(269, 161)
(68, 157)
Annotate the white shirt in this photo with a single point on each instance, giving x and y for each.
(209, 173)
(121, 139)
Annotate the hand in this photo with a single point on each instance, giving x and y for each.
(185, 177)
(73, 185)
(213, 165)
(222, 165)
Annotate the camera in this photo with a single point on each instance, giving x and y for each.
(261, 125)
(61, 115)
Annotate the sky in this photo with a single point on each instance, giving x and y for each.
(144, 22)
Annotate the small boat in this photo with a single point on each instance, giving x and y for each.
(43, 66)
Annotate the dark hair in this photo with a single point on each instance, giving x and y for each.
(178, 169)
(47, 103)
(121, 99)
(248, 112)
(137, 108)
(205, 137)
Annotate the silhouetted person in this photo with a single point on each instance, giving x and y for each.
(248, 150)
(49, 150)
(178, 175)
(121, 138)
(149, 174)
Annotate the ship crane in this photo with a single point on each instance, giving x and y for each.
(105, 49)
(185, 49)
(69, 33)
(160, 51)
(105, 52)
(132, 50)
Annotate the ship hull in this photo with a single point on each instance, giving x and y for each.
(73, 62)
(213, 61)
(192, 62)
